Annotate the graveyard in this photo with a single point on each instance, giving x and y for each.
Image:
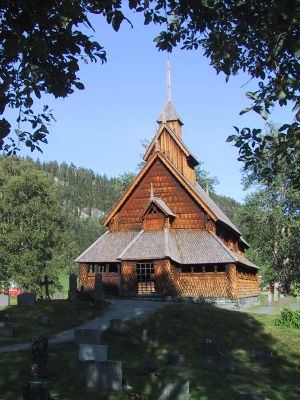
(46, 317)
(208, 352)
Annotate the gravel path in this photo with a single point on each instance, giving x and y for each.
(122, 309)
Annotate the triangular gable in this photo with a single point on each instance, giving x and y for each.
(182, 146)
(163, 207)
(180, 178)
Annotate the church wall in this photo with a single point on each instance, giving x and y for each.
(247, 284)
(189, 215)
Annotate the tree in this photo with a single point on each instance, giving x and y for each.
(43, 42)
(32, 231)
(270, 219)
(204, 178)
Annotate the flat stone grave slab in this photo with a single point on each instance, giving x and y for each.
(35, 390)
(218, 364)
(262, 356)
(176, 360)
(26, 299)
(209, 348)
(117, 326)
(87, 336)
(173, 389)
(106, 375)
(4, 300)
(148, 366)
(6, 329)
(92, 352)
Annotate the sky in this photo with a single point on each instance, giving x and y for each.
(101, 127)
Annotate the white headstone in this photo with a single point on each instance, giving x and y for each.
(92, 352)
(4, 300)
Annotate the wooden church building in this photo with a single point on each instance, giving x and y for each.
(166, 236)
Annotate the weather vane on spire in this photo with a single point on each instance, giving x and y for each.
(169, 79)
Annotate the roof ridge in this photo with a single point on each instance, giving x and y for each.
(92, 245)
(166, 240)
(130, 244)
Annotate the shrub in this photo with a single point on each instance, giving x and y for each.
(288, 318)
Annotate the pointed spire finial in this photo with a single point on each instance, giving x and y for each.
(151, 192)
(169, 79)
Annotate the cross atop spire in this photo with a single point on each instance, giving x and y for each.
(169, 114)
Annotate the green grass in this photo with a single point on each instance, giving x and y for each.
(62, 315)
(180, 328)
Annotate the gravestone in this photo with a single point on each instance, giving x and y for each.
(92, 352)
(6, 329)
(173, 389)
(58, 296)
(218, 364)
(72, 293)
(43, 320)
(26, 299)
(4, 300)
(148, 366)
(150, 336)
(98, 294)
(106, 375)
(117, 325)
(176, 360)
(4, 317)
(35, 390)
(87, 336)
(39, 351)
(209, 348)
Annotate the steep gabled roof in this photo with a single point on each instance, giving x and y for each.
(194, 190)
(161, 205)
(169, 114)
(179, 142)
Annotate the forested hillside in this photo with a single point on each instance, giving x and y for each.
(87, 197)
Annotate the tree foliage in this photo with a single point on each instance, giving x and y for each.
(270, 219)
(32, 231)
(42, 43)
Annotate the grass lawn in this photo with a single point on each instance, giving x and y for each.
(180, 327)
(62, 315)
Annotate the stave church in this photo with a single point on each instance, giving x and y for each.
(166, 236)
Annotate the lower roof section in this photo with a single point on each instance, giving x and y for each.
(194, 246)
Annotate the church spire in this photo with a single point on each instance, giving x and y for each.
(169, 80)
(169, 114)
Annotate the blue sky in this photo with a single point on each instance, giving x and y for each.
(101, 127)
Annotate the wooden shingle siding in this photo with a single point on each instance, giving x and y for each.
(247, 285)
(189, 215)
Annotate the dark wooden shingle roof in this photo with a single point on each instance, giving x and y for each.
(191, 246)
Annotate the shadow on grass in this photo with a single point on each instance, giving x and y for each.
(180, 328)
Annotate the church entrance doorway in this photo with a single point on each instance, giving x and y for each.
(145, 278)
